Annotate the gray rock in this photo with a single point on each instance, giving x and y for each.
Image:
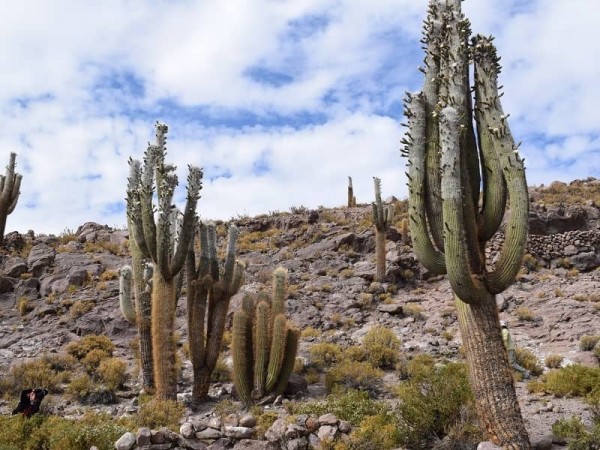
(209, 433)
(300, 443)
(585, 261)
(186, 430)
(327, 432)
(250, 444)
(276, 431)
(395, 309)
(144, 436)
(247, 420)
(296, 384)
(215, 422)
(126, 442)
(221, 444)
(345, 427)
(191, 444)
(328, 419)
(40, 257)
(15, 267)
(543, 443)
(6, 284)
(239, 432)
(487, 445)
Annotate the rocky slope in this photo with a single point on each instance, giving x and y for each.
(55, 289)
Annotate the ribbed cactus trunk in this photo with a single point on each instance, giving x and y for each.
(10, 185)
(165, 347)
(351, 197)
(449, 225)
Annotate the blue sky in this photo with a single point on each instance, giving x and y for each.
(278, 100)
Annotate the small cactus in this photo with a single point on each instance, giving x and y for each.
(264, 344)
(351, 197)
(382, 218)
(125, 295)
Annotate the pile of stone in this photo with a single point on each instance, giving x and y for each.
(302, 433)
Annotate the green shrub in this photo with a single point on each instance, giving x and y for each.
(596, 352)
(42, 432)
(378, 432)
(113, 373)
(160, 413)
(382, 347)
(553, 361)
(352, 406)
(527, 359)
(588, 342)
(355, 353)
(420, 366)
(575, 432)
(92, 360)
(36, 372)
(525, 314)
(576, 380)
(79, 349)
(353, 375)
(325, 354)
(435, 402)
(80, 387)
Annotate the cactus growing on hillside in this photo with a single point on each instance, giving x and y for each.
(209, 292)
(9, 193)
(351, 197)
(382, 218)
(264, 344)
(155, 241)
(449, 224)
(126, 302)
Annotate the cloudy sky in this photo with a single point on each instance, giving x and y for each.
(278, 100)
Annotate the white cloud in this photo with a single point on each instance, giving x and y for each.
(85, 81)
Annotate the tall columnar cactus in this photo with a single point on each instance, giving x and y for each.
(155, 241)
(209, 292)
(449, 224)
(382, 218)
(351, 197)
(264, 344)
(9, 193)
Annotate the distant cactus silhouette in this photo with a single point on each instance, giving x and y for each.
(382, 218)
(351, 197)
(264, 344)
(155, 240)
(10, 185)
(209, 292)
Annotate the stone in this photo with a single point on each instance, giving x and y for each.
(40, 257)
(345, 426)
(6, 284)
(221, 444)
(186, 430)
(144, 436)
(327, 432)
(543, 443)
(394, 309)
(239, 432)
(247, 420)
(276, 432)
(294, 431)
(215, 422)
(209, 433)
(250, 444)
(487, 445)
(158, 437)
(312, 424)
(191, 444)
(296, 384)
(328, 419)
(231, 420)
(126, 442)
(300, 443)
(314, 441)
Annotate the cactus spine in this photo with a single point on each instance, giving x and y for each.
(154, 239)
(449, 226)
(209, 293)
(351, 197)
(382, 218)
(10, 185)
(264, 344)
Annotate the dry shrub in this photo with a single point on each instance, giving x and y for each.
(354, 375)
(113, 373)
(79, 349)
(382, 347)
(325, 354)
(160, 413)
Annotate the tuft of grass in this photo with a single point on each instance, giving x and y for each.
(525, 314)
(553, 361)
(527, 359)
(588, 342)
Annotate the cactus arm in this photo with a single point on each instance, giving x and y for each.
(351, 198)
(134, 208)
(289, 360)
(194, 185)
(230, 256)
(511, 165)
(213, 262)
(14, 195)
(146, 194)
(465, 285)
(125, 294)
(262, 339)
(241, 352)
(277, 351)
(416, 147)
(238, 277)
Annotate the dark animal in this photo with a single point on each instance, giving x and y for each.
(30, 401)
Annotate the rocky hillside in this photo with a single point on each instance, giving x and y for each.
(55, 289)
